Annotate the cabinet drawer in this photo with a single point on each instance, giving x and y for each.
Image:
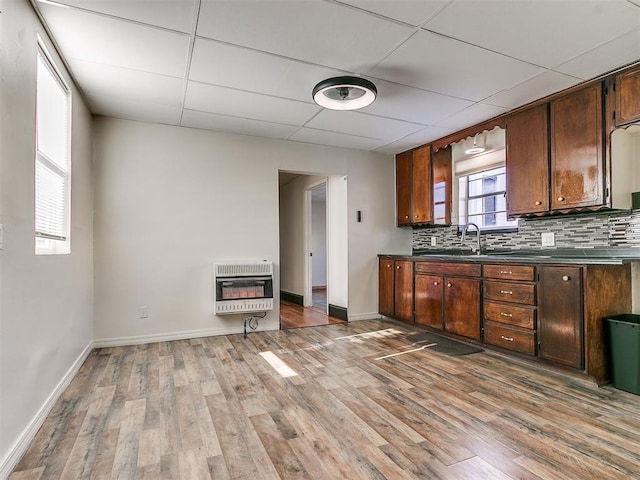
(457, 269)
(509, 272)
(510, 314)
(510, 292)
(511, 338)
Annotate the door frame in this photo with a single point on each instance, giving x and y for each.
(308, 240)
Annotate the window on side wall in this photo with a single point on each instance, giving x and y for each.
(53, 160)
(481, 186)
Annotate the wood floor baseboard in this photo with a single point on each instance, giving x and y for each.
(292, 297)
(22, 443)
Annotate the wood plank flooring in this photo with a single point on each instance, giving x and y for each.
(318, 403)
(295, 316)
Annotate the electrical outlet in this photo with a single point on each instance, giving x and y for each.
(548, 239)
(143, 312)
(434, 241)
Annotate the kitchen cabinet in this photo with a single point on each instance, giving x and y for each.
(560, 304)
(395, 289)
(403, 291)
(509, 307)
(413, 186)
(442, 172)
(627, 97)
(386, 283)
(527, 161)
(447, 297)
(577, 147)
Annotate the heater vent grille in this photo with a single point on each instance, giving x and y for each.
(239, 269)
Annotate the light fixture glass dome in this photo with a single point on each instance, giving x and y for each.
(344, 93)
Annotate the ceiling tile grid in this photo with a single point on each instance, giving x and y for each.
(248, 66)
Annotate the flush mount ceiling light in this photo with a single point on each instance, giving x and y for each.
(344, 93)
(475, 149)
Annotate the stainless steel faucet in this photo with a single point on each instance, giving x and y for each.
(464, 235)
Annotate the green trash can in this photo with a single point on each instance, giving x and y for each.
(624, 348)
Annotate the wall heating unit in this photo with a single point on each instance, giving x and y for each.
(242, 287)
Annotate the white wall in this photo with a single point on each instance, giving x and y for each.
(46, 306)
(319, 240)
(169, 201)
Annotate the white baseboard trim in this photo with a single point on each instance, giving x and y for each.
(168, 337)
(22, 443)
(364, 316)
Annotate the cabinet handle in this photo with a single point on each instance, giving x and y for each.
(565, 278)
(388, 265)
(398, 267)
(435, 283)
(506, 272)
(406, 216)
(449, 285)
(506, 314)
(506, 292)
(508, 339)
(417, 216)
(561, 199)
(538, 202)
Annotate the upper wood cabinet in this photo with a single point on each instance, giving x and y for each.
(413, 186)
(527, 144)
(442, 172)
(627, 93)
(577, 147)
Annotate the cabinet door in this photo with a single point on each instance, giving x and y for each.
(462, 306)
(403, 277)
(628, 97)
(441, 170)
(421, 187)
(560, 315)
(527, 152)
(404, 188)
(385, 287)
(577, 162)
(429, 300)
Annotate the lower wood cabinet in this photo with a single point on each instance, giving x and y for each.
(386, 286)
(447, 297)
(512, 338)
(395, 289)
(561, 321)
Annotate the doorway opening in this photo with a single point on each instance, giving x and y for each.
(307, 262)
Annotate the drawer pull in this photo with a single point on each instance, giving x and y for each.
(506, 292)
(508, 339)
(506, 272)
(538, 202)
(565, 278)
(561, 199)
(506, 314)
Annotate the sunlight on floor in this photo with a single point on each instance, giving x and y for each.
(278, 365)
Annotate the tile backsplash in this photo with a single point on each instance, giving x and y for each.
(608, 229)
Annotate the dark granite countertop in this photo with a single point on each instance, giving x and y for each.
(578, 256)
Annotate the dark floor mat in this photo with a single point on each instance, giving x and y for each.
(443, 345)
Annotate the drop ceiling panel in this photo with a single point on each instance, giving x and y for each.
(533, 89)
(543, 33)
(470, 116)
(232, 66)
(105, 80)
(221, 123)
(100, 39)
(175, 14)
(133, 110)
(412, 104)
(408, 11)
(616, 53)
(363, 125)
(321, 137)
(426, 135)
(324, 33)
(443, 65)
(237, 103)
